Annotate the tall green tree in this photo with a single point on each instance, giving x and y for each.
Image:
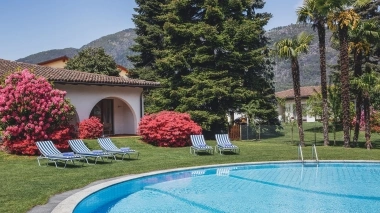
(310, 13)
(360, 39)
(93, 60)
(368, 82)
(340, 18)
(214, 59)
(149, 31)
(291, 49)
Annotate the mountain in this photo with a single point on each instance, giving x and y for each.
(47, 55)
(118, 44)
(309, 63)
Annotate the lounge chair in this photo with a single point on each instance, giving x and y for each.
(108, 146)
(52, 154)
(78, 146)
(223, 144)
(199, 145)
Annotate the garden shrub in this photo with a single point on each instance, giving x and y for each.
(90, 128)
(31, 110)
(168, 129)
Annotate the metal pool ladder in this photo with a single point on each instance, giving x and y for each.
(314, 155)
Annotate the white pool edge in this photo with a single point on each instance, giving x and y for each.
(68, 205)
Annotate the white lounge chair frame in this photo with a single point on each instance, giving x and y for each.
(80, 148)
(108, 146)
(199, 145)
(52, 154)
(223, 144)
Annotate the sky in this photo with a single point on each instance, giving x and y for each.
(28, 27)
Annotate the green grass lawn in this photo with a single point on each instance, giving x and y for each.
(25, 184)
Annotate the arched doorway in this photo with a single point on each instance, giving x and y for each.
(104, 111)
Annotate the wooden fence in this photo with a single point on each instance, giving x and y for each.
(234, 132)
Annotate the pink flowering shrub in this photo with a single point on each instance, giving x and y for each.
(90, 128)
(31, 110)
(168, 129)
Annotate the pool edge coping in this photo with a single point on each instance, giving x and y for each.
(68, 204)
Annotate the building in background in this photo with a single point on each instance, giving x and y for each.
(287, 111)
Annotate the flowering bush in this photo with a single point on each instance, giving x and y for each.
(168, 129)
(31, 110)
(374, 121)
(90, 128)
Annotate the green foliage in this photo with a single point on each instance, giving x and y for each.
(93, 60)
(209, 56)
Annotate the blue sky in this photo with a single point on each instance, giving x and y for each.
(29, 27)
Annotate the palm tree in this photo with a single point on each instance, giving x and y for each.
(291, 49)
(340, 19)
(359, 45)
(310, 13)
(368, 82)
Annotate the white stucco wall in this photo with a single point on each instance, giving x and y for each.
(127, 109)
(290, 109)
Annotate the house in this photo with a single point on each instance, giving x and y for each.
(60, 62)
(117, 101)
(288, 111)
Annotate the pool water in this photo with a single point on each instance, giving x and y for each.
(272, 187)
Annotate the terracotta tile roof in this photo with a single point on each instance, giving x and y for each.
(65, 76)
(305, 92)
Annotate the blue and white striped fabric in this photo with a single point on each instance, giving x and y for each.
(199, 141)
(199, 144)
(50, 152)
(48, 149)
(224, 144)
(78, 146)
(108, 146)
(224, 141)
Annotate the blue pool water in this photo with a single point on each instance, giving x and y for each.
(272, 187)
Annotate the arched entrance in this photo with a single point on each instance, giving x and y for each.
(116, 115)
(104, 111)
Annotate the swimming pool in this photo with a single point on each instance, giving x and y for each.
(266, 187)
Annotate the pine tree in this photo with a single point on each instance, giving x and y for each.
(213, 61)
(149, 30)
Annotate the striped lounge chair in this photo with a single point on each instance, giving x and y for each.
(52, 154)
(199, 145)
(78, 146)
(223, 144)
(108, 146)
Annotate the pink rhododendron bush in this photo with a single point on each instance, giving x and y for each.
(90, 128)
(31, 110)
(168, 129)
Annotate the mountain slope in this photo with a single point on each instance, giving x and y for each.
(309, 63)
(48, 55)
(117, 45)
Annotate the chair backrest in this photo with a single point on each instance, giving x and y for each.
(78, 146)
(222, 139)
(47, 148)
(107, 144)
(198, 140)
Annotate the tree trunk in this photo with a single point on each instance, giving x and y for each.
(367, 115)
(322, 56)
(357, 73)
(344, 77)
(297, 98)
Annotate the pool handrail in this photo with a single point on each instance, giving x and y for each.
(314, 153)
(300, 154)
